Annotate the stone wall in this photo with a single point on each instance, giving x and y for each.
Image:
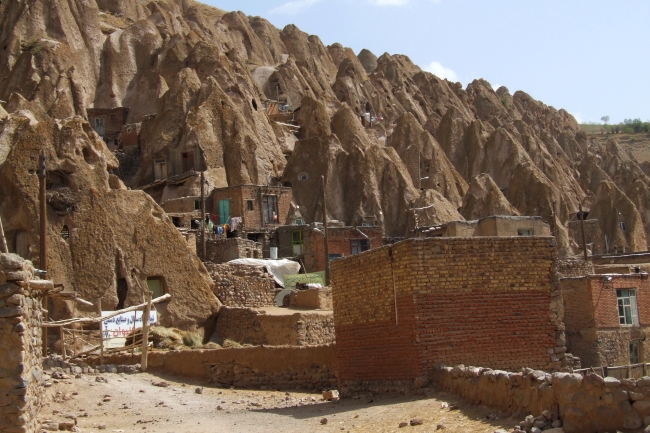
(573, 268)
(400, 309)
(21, 373)
(220, 249)
(583, 404)
(242, 286)
(286, 327)
(286, 367)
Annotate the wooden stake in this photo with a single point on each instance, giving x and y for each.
(43, 235)
(327, 247)
(584, 238)
(3, 240)
(101, 332)
(145, 331)
(62, 342)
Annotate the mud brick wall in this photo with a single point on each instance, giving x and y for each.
(248, 326)
(583, 404)
(592, 322)
(252, 219)
(259, 367)
(222, 249)
(242, 286)
(401, 309)
(21, 372)
(338, 242)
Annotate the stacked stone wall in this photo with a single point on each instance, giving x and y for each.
(248, 326)
(21, 373)
(401, 309)
(242, 286)
(583, 404)
(574, 268)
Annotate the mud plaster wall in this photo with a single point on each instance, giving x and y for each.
(588, 404)
(242, 286)
(21, 372)
(286, 367)
(247, 326)
(400, 309)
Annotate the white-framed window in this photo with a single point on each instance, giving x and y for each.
(628, 313)
(359, 245)
(525, 232)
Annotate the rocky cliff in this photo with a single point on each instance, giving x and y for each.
(428, 151)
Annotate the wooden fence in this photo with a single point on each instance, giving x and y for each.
(632, 371)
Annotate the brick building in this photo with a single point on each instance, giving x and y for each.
(401, 309)
(108, 123)
(262, 210)
(185, 212)
(130, 135)
(343, 241)
(607, 318)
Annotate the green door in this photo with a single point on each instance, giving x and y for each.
(224, 211)
(155, 286)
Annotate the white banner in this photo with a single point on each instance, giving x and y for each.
(117, 328)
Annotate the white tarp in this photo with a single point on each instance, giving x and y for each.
(277, 268)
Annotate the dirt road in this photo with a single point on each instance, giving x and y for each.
(130, 403)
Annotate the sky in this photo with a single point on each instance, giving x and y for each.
(589, 57)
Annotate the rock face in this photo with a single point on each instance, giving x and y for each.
(202, 76)
(100, 235)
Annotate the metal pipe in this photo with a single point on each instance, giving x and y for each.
(327, 252)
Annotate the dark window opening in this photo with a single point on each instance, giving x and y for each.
(249, 204)
(197, 204)
(525, 232)
(359, 245)
(335, 256)
(623, 226)
(255, 237)
(195, 224)
(634, 352)
(122, 292)
(188, 161)
(270, 206)
(254, 104)
(176, 221)
(287, 184)
(65, 232)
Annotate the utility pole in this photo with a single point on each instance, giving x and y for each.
(582, 226)
(203, 224)
(327, 248)
(43, 232)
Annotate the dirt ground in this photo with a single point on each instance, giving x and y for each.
(135, 403)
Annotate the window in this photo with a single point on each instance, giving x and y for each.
(270, 206)
(296, 241)
(634, 352)
(249, 204)
(335, 256)
(197, 204)
(525, 232)
(155, 285)
(176, 221)
(65, 232)
(359, 245)
(99, 126)
(627, 309)
(159, 169)
(303, 176)
(623, 227)
(188, 161)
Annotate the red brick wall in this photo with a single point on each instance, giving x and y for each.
(480, 301)
(114, 119)
(605, 304)
(338, 242)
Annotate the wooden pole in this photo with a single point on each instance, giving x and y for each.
(203, 224)
(43, 241)
(145, 331)
(584, 238)
(62, 342)
(101, 331)
(3, 240)
(327, 248)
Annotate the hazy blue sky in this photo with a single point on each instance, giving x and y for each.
(590, 57)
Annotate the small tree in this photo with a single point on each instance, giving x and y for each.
(605, 119)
